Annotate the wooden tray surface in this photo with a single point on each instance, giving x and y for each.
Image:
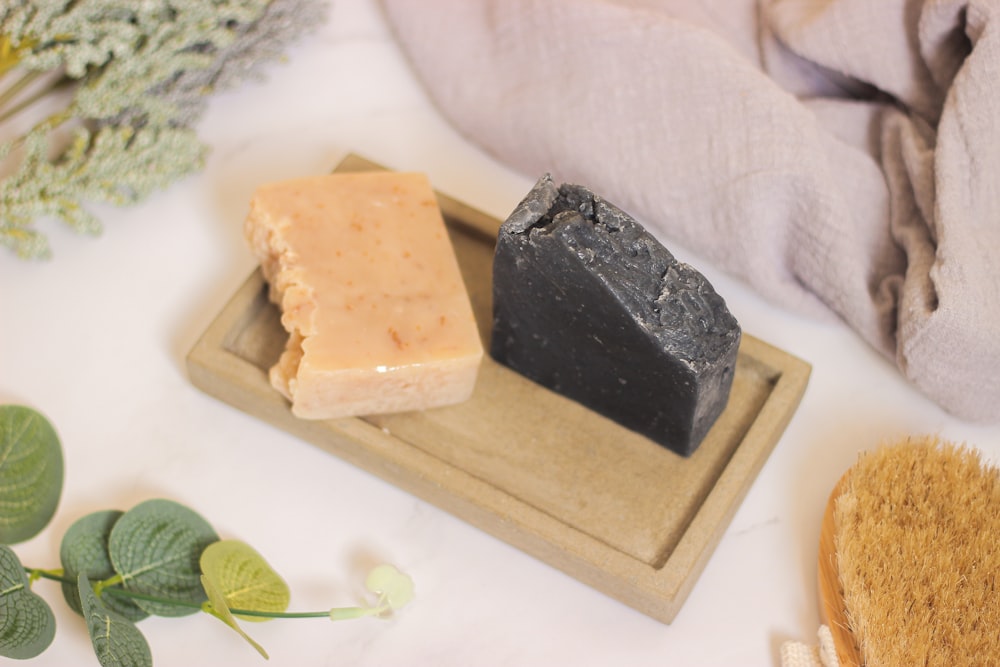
(603, 504)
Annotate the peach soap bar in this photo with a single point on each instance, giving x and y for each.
(370, 293)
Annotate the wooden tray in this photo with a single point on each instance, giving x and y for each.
(536, 470)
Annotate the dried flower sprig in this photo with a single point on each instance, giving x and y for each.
(140, 75)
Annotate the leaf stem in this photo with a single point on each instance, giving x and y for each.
(279, 614)
(13, 89)
(52, 121)
(347, 613)
(101, 586)
(34, 574)
(108, 587)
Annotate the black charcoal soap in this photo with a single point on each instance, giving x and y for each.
(590, 305)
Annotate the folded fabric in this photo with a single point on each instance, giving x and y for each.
(838, 155)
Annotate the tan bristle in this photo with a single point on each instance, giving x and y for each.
(918, 547)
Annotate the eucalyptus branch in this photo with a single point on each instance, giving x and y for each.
(112, 587)
(157, 558)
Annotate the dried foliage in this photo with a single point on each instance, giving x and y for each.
(140, 75)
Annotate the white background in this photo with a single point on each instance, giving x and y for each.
(96, 340)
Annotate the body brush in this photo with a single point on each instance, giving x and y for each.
(909, 558)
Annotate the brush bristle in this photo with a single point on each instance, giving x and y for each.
(918, 548)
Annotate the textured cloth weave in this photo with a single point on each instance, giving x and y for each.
(840, 156)
(797, 654)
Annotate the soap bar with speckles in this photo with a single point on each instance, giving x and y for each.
(588, 304)
(378, 316)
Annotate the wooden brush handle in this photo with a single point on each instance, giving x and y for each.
(831, 594)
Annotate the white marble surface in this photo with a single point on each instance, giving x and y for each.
(96, 339)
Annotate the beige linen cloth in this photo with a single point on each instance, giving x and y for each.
(838, 155)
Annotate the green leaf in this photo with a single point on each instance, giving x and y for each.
(395, 589)
(244, 578)
(216, 606)
(31, 473)
(84, 550)
(117, 642)
(155, 547)
(27, 625)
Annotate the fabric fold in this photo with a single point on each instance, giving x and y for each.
(839, 156)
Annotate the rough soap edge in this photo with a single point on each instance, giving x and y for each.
(277, 261)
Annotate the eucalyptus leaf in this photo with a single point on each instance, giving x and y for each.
(84, 550)
(31, 473)
(394, 588)
(155, 547)
(217, 607)
(27, 624)
(244, 578)
(117, 641)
